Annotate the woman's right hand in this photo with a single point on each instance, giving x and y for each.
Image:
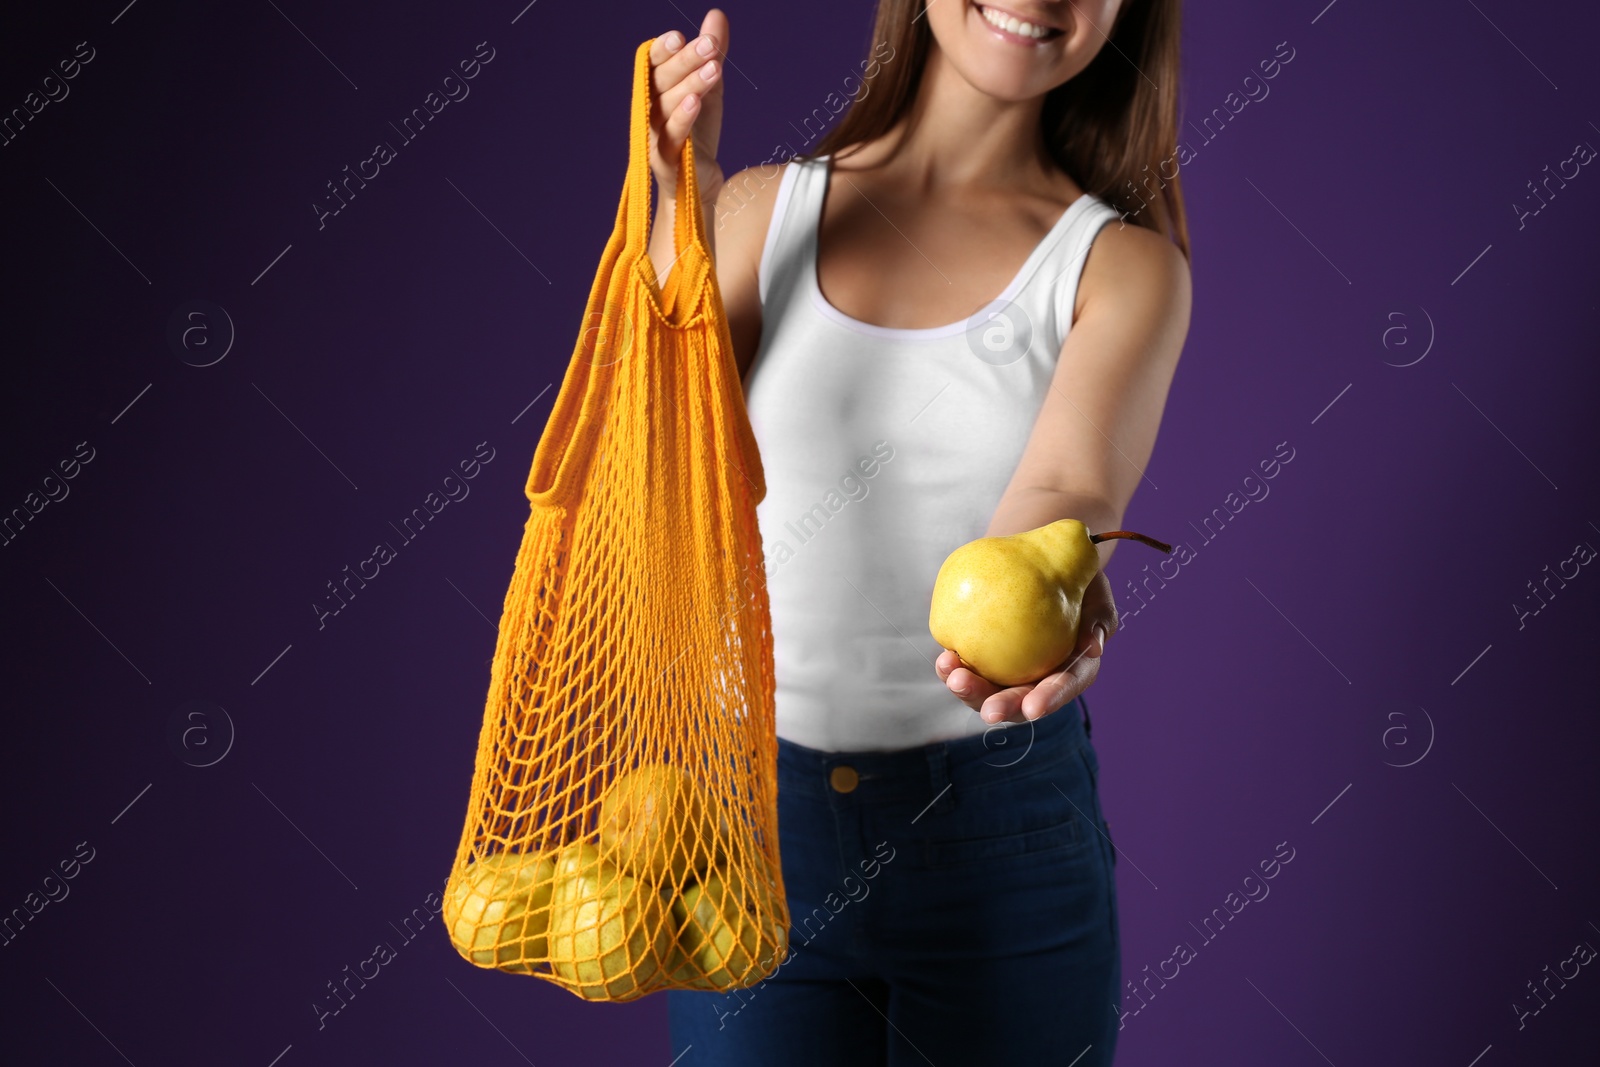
(687, 79)
(1024, 703)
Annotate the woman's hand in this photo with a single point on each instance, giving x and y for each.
(1022, 703)
(687, 79)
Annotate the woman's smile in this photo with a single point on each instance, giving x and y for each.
(1016, 28)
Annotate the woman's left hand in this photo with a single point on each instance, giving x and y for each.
(1023, 703)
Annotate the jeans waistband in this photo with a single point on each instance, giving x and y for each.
(1003, 752)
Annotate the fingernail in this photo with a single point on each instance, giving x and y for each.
(673, 41)
(708, 73)
(1100, 635)
(690, 102)
(705, 46)
(963, 690)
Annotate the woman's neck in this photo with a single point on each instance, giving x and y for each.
(955, 137)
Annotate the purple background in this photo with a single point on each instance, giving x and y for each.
(1253, 690)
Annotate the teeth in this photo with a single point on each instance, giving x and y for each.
(1012, 25)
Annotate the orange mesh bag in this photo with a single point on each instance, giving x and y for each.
(621, 832)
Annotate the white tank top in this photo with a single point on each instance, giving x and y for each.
(884, 450)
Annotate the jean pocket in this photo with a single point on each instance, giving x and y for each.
(961, 852)
(1064, 832)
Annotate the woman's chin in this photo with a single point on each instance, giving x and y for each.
(1004, 65)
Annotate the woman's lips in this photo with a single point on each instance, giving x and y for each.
(1012, 27)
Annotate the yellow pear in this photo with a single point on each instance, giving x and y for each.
(608, 932)
(732, 932)
(497, 909)
(652, 823)
(1009, 605)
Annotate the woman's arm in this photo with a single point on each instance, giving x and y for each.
(736, 231)
(1092, 438)
(1096, 428)
(739, 221)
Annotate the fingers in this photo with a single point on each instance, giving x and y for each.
(680, 67)
(1054, 692)
(970, 688)
(683, 74)
(689, 68)
(664, 45)
(1005, 705)
(1020, 703)
(1097, 621)
(1099, 606)
(1092, 638)
(682, 107)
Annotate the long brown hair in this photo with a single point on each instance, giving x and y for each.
(1113, 128)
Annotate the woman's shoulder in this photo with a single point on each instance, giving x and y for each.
(748, 197)
(743, 214)
(1130, 263)
(744, 209)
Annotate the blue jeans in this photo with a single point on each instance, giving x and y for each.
(950, 904)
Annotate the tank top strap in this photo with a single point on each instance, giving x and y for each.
(1063, 269)
(792, 229)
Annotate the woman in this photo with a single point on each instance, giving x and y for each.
(949, 874)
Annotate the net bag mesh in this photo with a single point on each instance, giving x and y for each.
(621, 830)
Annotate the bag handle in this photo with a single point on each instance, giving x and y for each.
(688, 225)
(574, 425)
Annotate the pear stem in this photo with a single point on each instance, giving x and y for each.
(1130, 536)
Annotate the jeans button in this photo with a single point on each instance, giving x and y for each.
(844, 778)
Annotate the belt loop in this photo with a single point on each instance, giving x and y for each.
(1087, 724)
(939, 778)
